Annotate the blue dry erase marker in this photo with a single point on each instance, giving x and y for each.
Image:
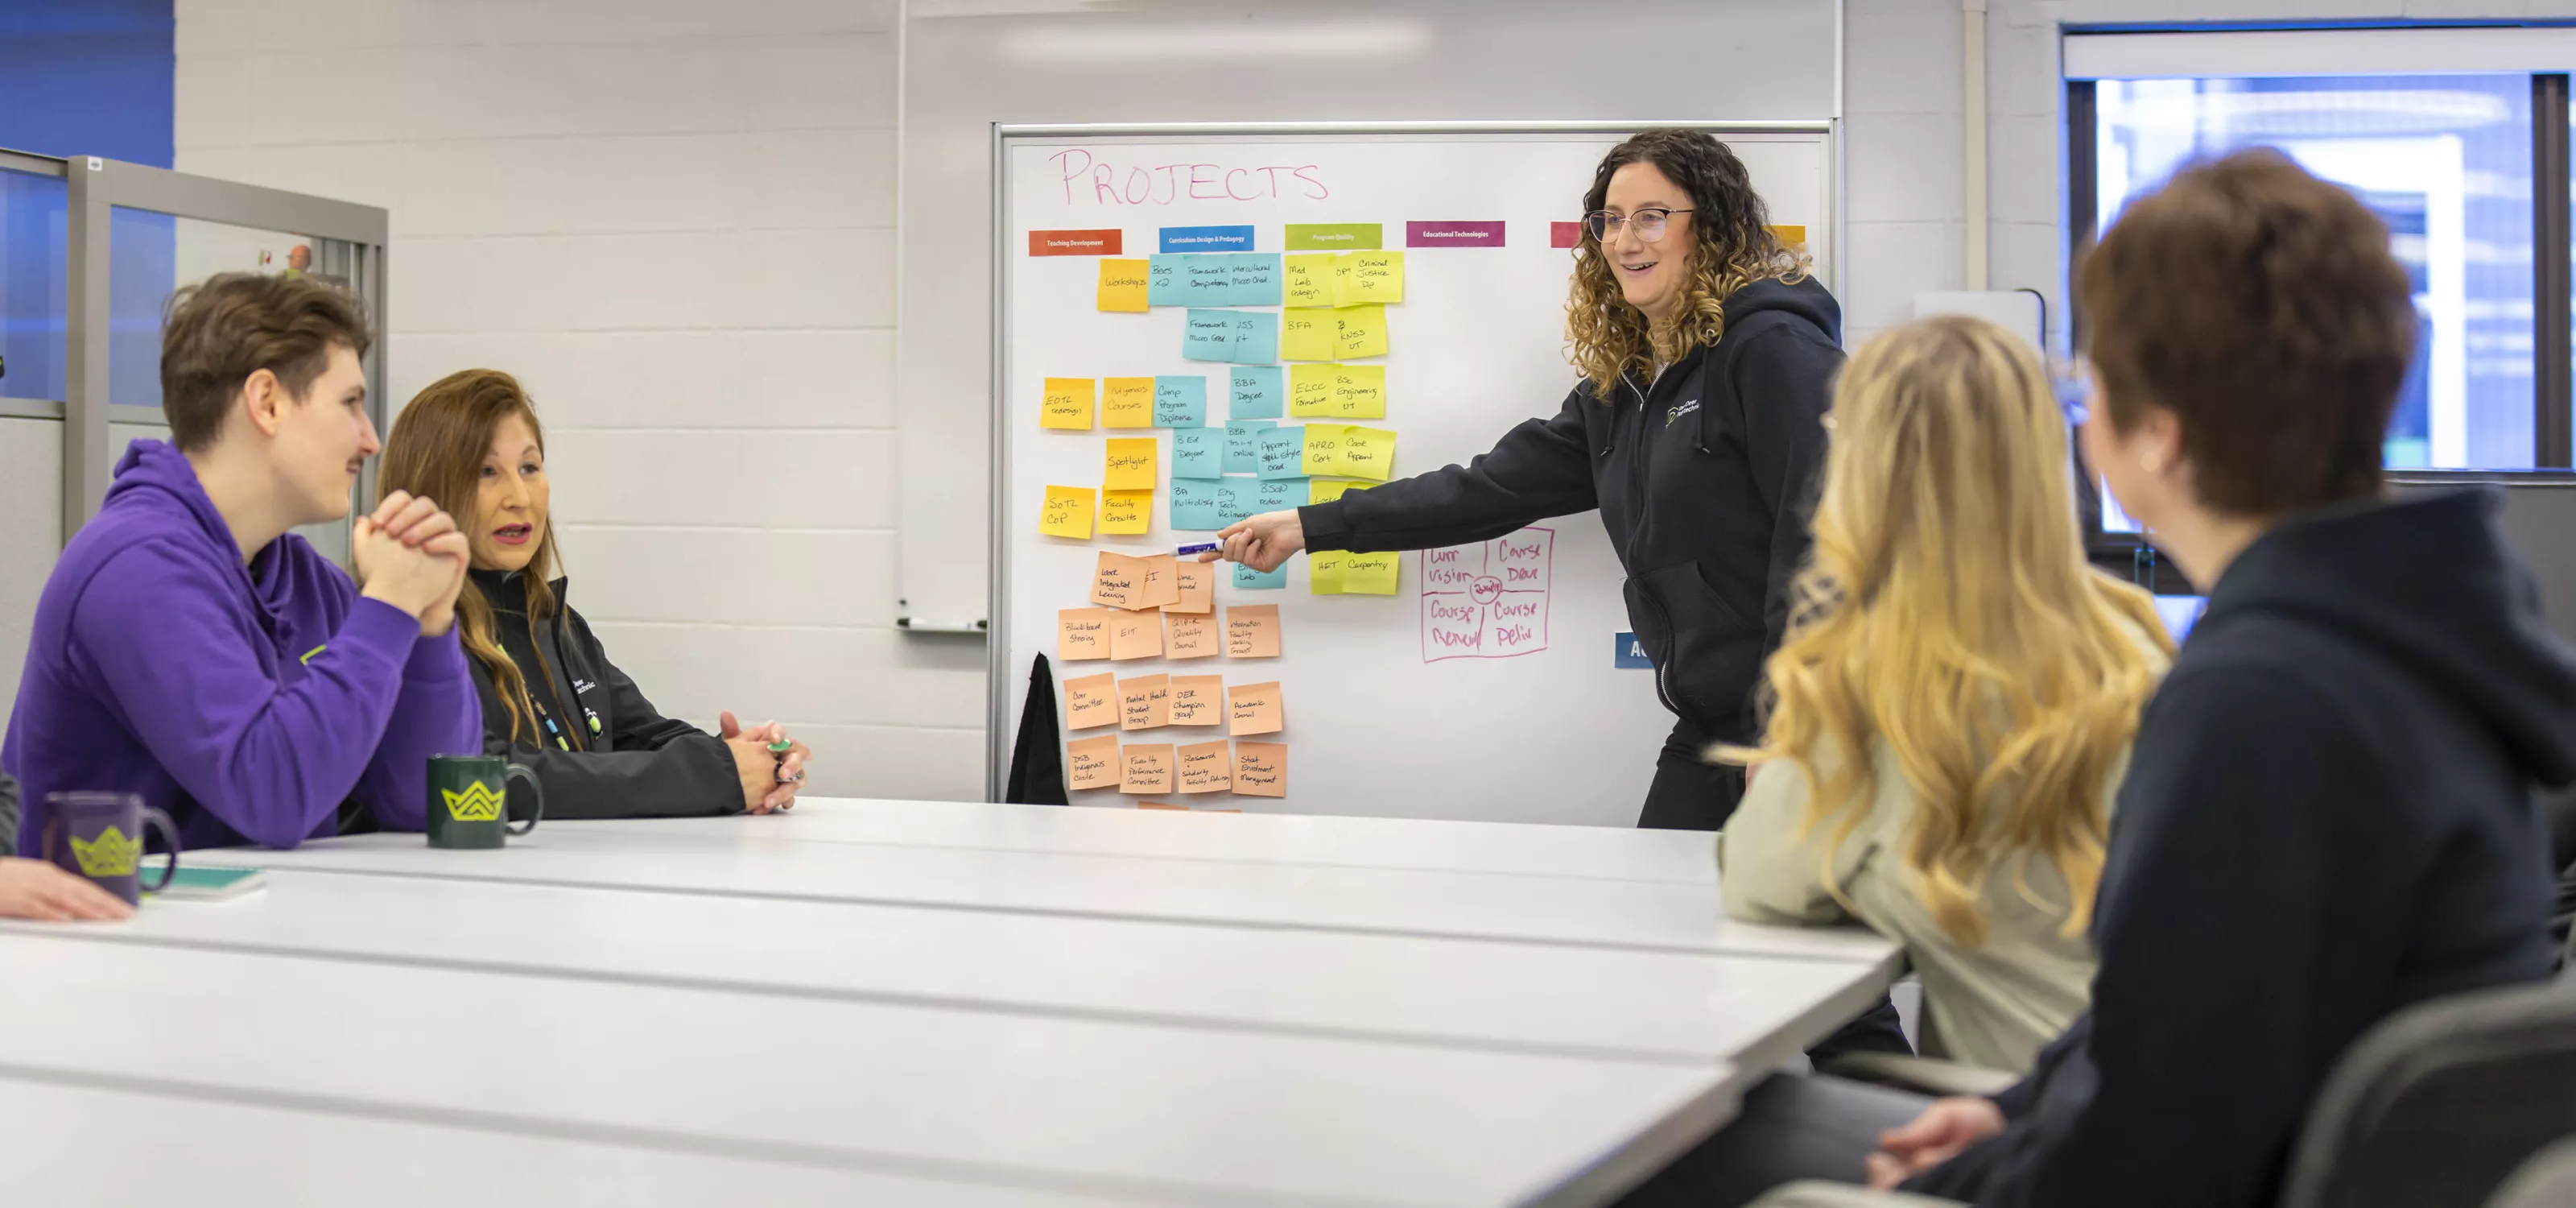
(1201, 548)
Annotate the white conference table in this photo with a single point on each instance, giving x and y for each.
(956, 1001)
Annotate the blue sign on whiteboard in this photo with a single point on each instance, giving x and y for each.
(1207, 239)
(1631, 653)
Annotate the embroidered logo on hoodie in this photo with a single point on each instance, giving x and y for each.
(1679, 410)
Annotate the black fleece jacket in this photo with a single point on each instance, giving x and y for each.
(1703, 477)
(607, 752)
(2328, 816)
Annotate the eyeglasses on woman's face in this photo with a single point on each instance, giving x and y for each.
(1648, 223)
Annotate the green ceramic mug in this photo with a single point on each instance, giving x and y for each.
(469, 802)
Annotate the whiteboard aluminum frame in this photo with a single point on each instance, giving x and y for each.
(999, 735)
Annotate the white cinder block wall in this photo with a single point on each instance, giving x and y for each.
(1902, 100)
(674, 221)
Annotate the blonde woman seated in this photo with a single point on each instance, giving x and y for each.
(1949, 628)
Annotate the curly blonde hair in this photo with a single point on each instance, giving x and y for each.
(1732, 246)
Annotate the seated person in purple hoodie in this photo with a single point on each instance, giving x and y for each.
(189, 648)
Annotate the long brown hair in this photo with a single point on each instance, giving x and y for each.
(437, 451)
(1732, 245)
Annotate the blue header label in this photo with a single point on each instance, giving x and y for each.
(1207, 239)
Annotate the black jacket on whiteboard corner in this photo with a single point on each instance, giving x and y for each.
(1704, 478)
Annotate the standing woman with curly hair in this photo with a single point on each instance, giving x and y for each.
(1707, 354)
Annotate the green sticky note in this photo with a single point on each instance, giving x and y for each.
(1335, 236)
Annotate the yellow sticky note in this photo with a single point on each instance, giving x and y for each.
(1324, 573)
(1370, 574)
(1375, 277)
(1068, 403)
(1310, 390)
(1309, 280)
(1126, 511)
(1342, 281)
(1359, 392)
(1365, 452)
(1361, 331)
(1067, 513)
(1307, 335)
(1130, 464)
(1122, 285)
(1793, 237)
(1326, 490)
(1323, 450)
(1127, 403)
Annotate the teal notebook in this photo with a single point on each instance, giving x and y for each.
(195, 884)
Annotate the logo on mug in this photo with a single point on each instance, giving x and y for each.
(109, 855)
(478, 803)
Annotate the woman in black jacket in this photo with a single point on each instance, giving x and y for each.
(1707, 356)
(551, 698)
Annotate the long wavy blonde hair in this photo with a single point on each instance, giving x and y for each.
(1732, 245)
(1949, 613)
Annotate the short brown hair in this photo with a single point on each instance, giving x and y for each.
(218, 332)
(2261, 306)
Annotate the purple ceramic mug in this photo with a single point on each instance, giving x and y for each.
(99, 836)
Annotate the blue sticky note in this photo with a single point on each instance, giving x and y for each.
(1257, 279)
(1243, 445)
(1207, 335)
(1256, 337)
(1207, 280)
(1274, 494)
(1234, 500)
(1258, 391)
(1180, 402)
(1283, 452)
(1194, 506)
(1198, 453)
(1246, 577)
(1207, 239)
(1163, 285)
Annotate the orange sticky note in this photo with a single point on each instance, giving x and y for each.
(1197, 582)
(1145, 702)
(1126, 511)
(1188, 636)
(1162, 805)
(1206, 767)
(1068, 403)
(1162, 580)
(1197, 700)
(1130, 464)
(1092, 763)
(1135, 635)
(1261, 769)
(1067, 513)
(1122, 285)
(1252, 631)
(1127, 403)
(1118, 581)
(1082, 633)
(1254, 709)
(1091, 701)
(1148, 768)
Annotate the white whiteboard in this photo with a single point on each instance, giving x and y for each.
(1385, 716)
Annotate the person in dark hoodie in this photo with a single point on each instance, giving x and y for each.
(1707, 356)
(551, 699)
(190, 649)
(2328, 816)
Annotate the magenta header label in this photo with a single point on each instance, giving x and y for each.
(1453, 234)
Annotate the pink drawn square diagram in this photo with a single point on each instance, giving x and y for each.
(1487, 601)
